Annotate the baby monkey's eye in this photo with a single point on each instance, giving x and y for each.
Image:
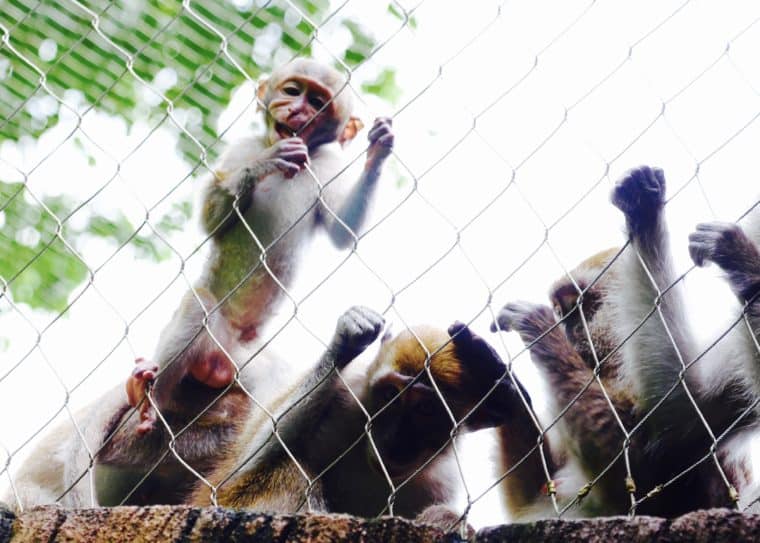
(291, 89)
(317, 101)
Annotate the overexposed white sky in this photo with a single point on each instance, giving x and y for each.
(514, 120)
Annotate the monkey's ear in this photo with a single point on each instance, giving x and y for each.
(350, 131)
(261, 92)
(565, 299)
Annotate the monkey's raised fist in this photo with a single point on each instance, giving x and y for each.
(356, 329)
(483, 370)
(640, 195)
(381, 141)
(289, 156)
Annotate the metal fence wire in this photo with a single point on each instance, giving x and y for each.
(512, 122)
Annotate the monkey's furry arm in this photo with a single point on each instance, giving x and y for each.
(264, 476)
(590, 418)
(353, 210)
(650, 295)
(356, 329)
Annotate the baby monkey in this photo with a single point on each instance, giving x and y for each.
(325, 429)
(262, 204)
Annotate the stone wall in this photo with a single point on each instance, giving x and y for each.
(187, 524)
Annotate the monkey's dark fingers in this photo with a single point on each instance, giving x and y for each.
(508, 315)
(296, 156)
(288, 142)
(701, 245)
(383, 120)
(720, 242)
(386, 140)
(640, 186)
(288, 169)
(358, 327)
(378, 130)
(459, 332)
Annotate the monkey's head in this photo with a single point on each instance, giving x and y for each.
(594, 277)
(310, 100)
(411, 422)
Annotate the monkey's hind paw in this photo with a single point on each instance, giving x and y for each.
(640, 195)
(721, 242)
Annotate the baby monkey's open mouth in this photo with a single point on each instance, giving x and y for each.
(284, 131)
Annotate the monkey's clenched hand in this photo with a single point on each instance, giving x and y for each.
(640, 195)
(356, 329)
(486, 370)
(724, 243)
(729, 247)
(289, 155)
(380, 142)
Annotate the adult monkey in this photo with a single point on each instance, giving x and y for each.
(269, 195)
(643, 377)
(419, 383)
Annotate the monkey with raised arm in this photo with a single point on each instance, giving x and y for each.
(566, 358)
(733, 366)
(323, 427)
(262, 204)
(619, 299)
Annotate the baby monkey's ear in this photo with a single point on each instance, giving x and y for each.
(565, 299)
(352, 128)
(261, 93)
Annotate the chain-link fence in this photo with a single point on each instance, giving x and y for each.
(512, 122)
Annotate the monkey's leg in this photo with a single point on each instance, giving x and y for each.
(196, 343)
(649, 301)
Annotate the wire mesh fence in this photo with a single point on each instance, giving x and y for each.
(635, 393)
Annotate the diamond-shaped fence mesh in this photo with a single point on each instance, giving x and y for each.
(632, 389)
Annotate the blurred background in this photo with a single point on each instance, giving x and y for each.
(513, 119)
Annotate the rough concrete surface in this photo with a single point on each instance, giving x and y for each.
(188, 524)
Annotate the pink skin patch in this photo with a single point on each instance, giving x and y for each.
(213, 370)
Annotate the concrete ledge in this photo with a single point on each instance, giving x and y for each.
(188, 524)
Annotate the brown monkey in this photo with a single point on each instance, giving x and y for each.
(618, 299)
(263, 203)
(324, 428)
